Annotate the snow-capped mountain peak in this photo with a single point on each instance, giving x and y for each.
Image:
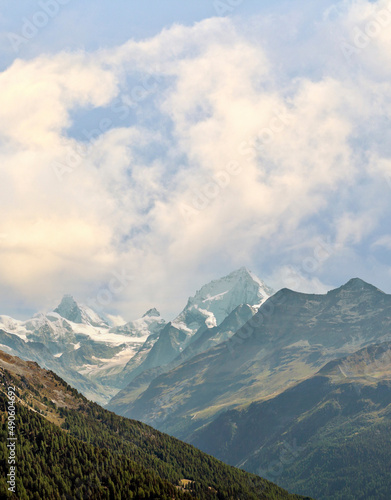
(148, 324)
(74, 337)
(217, 299)
(72, 311)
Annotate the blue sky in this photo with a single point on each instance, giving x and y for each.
(91, 25)
(149, 147)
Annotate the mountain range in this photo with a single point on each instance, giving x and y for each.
(292, 386)
(99, 358)
(300, 394)
(291, 337)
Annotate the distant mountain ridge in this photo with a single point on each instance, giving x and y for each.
(209, 307)
(75, 339)
(251, 378)
(79, 345)
(291, 337)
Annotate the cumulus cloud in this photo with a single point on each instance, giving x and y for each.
(204, 156)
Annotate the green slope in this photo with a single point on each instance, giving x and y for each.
(69, 447)
(327, 437)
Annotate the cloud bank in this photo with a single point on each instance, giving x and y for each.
(132, 175)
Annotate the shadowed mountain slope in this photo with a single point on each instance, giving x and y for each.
(328, 436)
(291, 337)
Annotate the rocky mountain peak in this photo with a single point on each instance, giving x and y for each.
(69, 309)
(213, 302)
(152, 312)
(356, 285)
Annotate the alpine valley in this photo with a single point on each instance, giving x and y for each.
(300, 394)
(291, 386)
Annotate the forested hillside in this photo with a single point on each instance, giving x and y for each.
(69, 447)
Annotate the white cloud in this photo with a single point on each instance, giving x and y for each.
(384, 241)
(227, 162)
(36, 97)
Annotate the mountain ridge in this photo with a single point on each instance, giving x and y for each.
(110, 355)
(290, 337)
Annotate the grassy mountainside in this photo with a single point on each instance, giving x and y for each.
(69, 447)
(328, 436)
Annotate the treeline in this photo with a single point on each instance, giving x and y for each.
(171, 458)
(355, 465)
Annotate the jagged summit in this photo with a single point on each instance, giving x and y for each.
(152, 312)
(72, 311)
(69, 309)
(150, 322)
(243, 273)
(212, 303)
